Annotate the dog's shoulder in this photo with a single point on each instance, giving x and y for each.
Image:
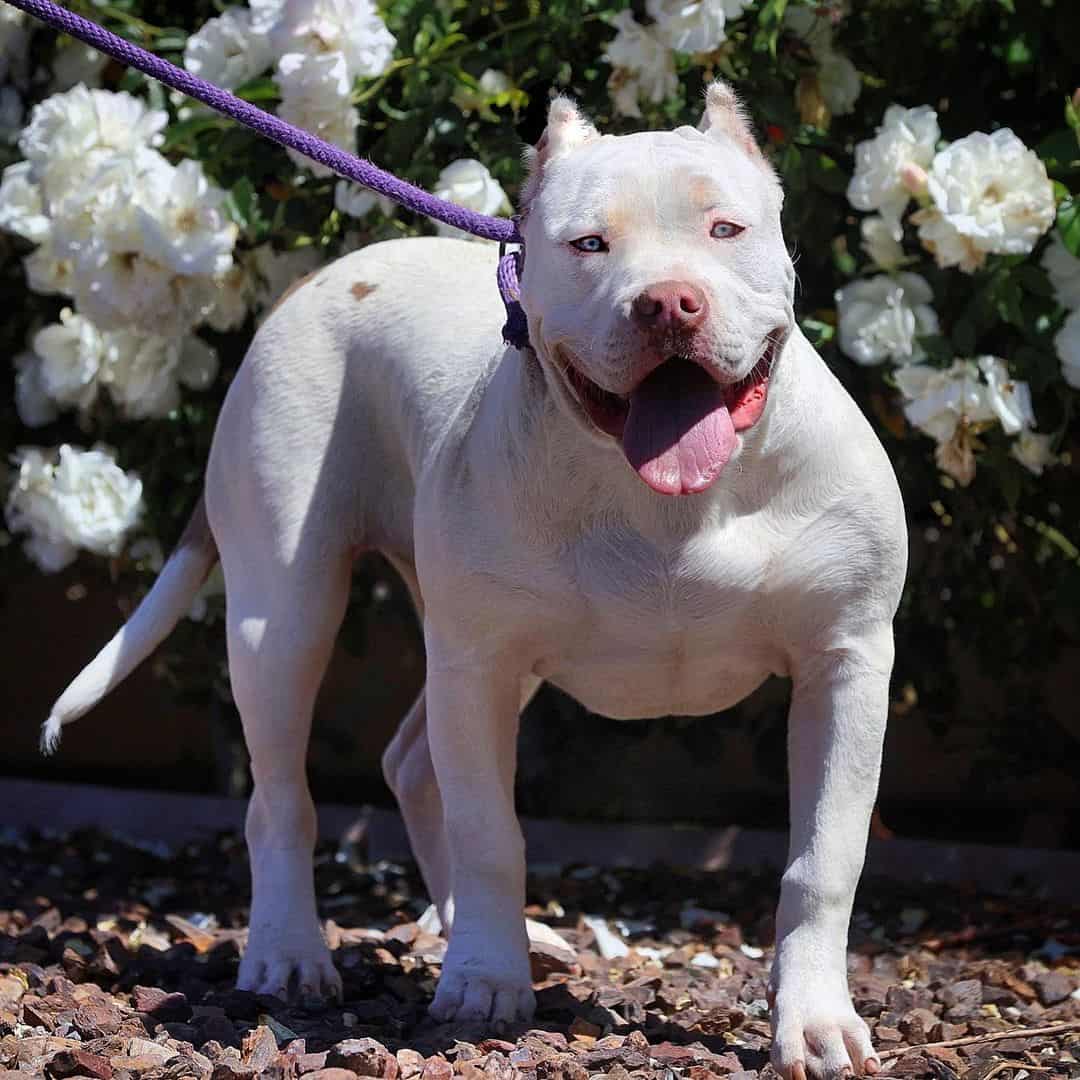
(841, 508)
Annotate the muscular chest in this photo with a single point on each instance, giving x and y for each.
(650, 628)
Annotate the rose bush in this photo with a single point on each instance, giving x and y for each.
(929, 151)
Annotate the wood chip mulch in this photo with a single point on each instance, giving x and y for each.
(118, 960)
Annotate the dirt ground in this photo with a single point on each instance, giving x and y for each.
(119, 961)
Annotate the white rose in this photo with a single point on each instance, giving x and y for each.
(468, 183)
(358, 201)
(199, 364)
(70, 355)
(643, 64)
(905, 137)
(22, 210)
(226, 51)
(1067, 343)
(881, 317)
(71, 499)
(75, 63)
(993, 191)
(315, 95)
(814, 28)
(1060, 264)
(692, 26)
(69, 134)
(946, 243)
(235, 292)
(146, 242)
(276, 271)
(141, 374)
(1009, 398)
(1033, 451)
(881, 241)
(98, 212)
(131, 291)
(265, 14)
(839, 81)
(48, 273)
(351, 28)
(71, 360)
(937, 400)
(180, 221)
(32, 403)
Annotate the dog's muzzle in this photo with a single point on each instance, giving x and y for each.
(678, 426)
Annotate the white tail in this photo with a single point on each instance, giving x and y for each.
(161, 609)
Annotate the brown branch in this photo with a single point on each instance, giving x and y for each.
(1001, 1066)
(990, 1036)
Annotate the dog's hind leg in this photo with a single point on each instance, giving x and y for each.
(282, 620)
(410, 775)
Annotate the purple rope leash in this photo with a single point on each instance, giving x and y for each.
(503, 230)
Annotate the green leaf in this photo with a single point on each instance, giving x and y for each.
(827, 175)
(844, 262)
(820, 333)
(1012, 484)
(937, 348)
(1068, 225)
(184, 131)
(264, 89)
(1060, 150)
(769, 23)
(964, 338)
(1072, 116)
(1018, 53)
(171, 40)
(242, 205)
(1033, 279)
(1008, 302)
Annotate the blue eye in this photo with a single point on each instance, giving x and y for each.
(591, 245)
(725, 230)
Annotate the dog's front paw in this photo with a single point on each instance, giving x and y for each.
(487, 984)
(482, 999)
(817, 1036)
(291, 964)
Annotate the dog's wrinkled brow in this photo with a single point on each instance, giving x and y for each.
(702, 191)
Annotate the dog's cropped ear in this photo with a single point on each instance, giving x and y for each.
(724, 115)
(566, 130)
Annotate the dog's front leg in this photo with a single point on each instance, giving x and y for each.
(836, 729)
(472, 732)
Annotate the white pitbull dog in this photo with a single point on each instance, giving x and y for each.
(666, 500)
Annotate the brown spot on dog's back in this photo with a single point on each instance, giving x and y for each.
(299, 283)
(362, 289)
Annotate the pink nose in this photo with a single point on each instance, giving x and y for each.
(670, 305)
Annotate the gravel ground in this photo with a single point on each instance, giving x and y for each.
(119, 960)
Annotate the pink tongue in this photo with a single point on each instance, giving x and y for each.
(679, 434)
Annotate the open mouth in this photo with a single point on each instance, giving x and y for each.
(678, 426)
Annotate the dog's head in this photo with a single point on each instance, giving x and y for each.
(657, 285)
